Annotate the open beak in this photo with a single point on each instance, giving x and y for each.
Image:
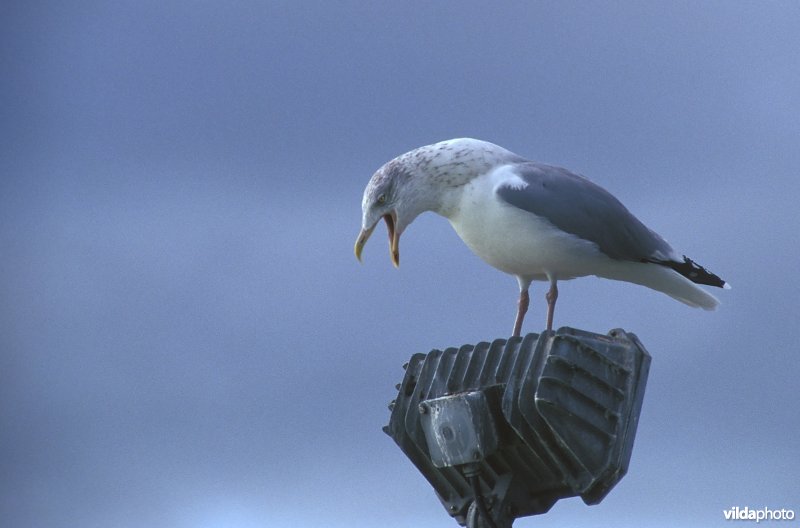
(394, 238)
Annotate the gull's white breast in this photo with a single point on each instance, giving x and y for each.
(517, 241)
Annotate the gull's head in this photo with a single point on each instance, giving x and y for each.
(389, 196)
(429, 178)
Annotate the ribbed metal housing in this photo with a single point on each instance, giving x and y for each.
(567, 404)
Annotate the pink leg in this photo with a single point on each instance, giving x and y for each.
(522, 307)
(551, 297)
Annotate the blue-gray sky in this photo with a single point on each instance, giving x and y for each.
(186, 339)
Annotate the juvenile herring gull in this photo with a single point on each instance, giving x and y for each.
(534, 221)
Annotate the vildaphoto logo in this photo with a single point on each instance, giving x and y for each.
(764, 514)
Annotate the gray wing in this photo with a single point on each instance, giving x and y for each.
(576, 205)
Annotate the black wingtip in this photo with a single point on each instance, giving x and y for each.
(693, 271)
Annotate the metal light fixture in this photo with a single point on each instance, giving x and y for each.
(503, 430)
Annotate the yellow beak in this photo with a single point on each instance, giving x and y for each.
(394, 239)
(363, 236)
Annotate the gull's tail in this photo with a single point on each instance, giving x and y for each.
(667, 279)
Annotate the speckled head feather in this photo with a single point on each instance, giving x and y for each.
(423, 179)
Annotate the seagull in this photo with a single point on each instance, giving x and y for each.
(527, 219)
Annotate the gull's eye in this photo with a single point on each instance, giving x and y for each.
(382, 199)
